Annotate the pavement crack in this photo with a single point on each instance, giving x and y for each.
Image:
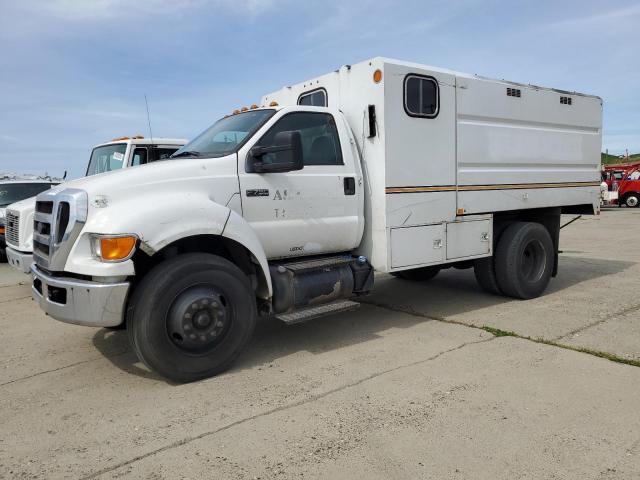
(44, 372)
(502, 333)
(304, 401)
(619, 313)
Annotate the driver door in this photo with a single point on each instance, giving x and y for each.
(310, 211)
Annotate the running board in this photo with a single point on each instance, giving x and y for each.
(309, 313)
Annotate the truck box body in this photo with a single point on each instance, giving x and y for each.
(438, 175)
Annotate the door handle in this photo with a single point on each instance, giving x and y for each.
(349, 186)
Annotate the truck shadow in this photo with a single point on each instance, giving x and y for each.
(452, 292)
(109, 341)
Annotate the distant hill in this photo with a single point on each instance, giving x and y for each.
(609, 159)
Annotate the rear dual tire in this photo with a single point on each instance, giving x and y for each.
(522, 264)
(191, 317)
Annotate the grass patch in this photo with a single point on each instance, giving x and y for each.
(500, 333)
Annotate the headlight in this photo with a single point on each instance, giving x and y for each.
(113, 248)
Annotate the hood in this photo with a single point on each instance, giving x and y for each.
(27, 203)
(180, 175)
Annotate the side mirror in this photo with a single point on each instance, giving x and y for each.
(284, 155)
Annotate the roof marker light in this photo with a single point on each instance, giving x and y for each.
(273, 104)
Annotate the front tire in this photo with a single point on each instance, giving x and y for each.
(524, 260)
(191, 317)
(632, 200)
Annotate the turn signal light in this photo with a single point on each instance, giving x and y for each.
(2, 230)
(114, 249)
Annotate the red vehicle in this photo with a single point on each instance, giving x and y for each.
(629, 188)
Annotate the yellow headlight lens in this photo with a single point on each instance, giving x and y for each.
(116, 248)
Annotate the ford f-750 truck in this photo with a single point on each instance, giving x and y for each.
(289, 208)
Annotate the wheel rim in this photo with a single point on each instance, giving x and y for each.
(533, 261)
(198, 319)
(632, 201)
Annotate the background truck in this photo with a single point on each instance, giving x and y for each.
(629, 188)
(14, 188)
(288, 209)
(116, 154)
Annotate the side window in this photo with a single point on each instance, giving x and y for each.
(320, 141)
(314, 98)
(161, 153)
(421, 96)
(139, 156)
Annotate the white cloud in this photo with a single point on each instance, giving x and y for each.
(606, 17)
(100, 9)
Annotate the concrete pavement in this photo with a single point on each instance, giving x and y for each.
(408, 386)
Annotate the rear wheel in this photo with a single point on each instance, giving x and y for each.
(632, 200)
(191, 316)
(418, 274)
(524, 260)
(485, 272)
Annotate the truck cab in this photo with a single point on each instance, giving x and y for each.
(629, 188)
(117, 154)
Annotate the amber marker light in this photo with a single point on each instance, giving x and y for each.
(273, 104)
(2, 230)
(114, 248)
(377, 76)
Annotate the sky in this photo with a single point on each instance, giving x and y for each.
(74, 73)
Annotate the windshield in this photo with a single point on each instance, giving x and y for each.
(225, 136)
(107, 158)
(14, 192)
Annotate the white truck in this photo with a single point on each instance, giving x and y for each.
(116, 154)
(14, 188)
(288, 209)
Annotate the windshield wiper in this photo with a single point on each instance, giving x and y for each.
(188, 153)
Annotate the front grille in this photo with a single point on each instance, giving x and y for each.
(44, 207)
(57, 222)
(42, 229)
(12, 232)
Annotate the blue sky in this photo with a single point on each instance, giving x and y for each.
(73, 73)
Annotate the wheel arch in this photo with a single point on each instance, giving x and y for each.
(240, 254)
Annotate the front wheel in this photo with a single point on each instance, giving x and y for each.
(632, 200)
(191, 317)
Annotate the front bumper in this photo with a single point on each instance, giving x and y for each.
(80, 302)
(19, 260)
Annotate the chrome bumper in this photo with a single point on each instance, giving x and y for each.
(80, 301)
(19, 260)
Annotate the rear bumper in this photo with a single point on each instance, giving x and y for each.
(19, 260)
(80, 302)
